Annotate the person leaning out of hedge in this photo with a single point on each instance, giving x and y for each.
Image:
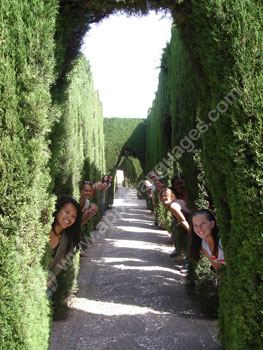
(88, 211)
(180, 212)
(64, 237)
(205, 239)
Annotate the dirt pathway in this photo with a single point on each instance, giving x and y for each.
(131, 294)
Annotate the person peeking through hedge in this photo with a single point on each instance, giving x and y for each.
(86, 192)
(177, 186)
(64, 237)
(160, 184)
(180, 214)
(205, 239)
(88, 209)
(105, 182)
(110, 180)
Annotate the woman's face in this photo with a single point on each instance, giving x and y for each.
(159, 186)
(166, 198)
(98, 185)
(106, 178)
(179, 186)
(93, 210)
(202, 226)
(66, 216)
(86, 192)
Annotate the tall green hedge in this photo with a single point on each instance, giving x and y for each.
(230, 51)
(26, 73)
(77, 138)
(77, 152)
(124, 137)
(221, 46)
(220, 114)
(132, 171)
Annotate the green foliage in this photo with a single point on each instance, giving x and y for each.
(214, 71)
(26, 73)
(77, 139)
(203, 284)
(77, 151)
(124, 137)
(230, 51)
(132, 170)
(217, 48)
(67, 282)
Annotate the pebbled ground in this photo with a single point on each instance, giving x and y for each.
(131, 295)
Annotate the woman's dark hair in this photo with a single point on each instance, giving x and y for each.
(85, 183)
(177, 176)
(103, 181)
(162, 180)
(73, 231)
(196, 241)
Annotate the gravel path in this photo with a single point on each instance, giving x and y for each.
(131, 295)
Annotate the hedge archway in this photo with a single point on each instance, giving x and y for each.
(223, 51)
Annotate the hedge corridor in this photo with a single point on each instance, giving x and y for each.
(205, 121)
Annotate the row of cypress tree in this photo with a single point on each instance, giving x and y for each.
(208, 97)
(47, 147)
(220, 50)
(26, 74)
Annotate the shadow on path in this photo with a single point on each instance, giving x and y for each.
(131, 295)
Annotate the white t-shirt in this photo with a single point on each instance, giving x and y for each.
(220, 254)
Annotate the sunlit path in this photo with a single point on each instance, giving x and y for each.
(131, 294)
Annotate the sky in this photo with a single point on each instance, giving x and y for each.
(124, 54)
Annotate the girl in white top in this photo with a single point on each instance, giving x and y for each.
(205, 238)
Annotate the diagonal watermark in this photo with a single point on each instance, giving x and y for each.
(187, 144)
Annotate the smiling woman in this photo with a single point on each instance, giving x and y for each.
(124, 53)
(63, 237)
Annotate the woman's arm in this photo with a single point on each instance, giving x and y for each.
(85, 217)
(176, 210)
(216, 265)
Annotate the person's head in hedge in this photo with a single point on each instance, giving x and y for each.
(89, 213)
(177, 185)
(167, 196)
(67, 219)
(86, 192)
(205, 238)
(160, 184)
(105, 178)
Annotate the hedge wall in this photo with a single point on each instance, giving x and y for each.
(132, 171)
(26, 73)
(77, 138)
(222, 42)
(220, 114)
(124, 137)
(77, 152)
(230, 51)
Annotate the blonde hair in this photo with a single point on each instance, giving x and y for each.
(169, 192)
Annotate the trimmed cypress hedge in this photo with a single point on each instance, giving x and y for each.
(124, 137)
(77, 154)
(77, 138)
(26, 73)
(224, 77)
(221, 47)
(132, 171)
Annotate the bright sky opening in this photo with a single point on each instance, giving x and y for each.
(125, 54)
